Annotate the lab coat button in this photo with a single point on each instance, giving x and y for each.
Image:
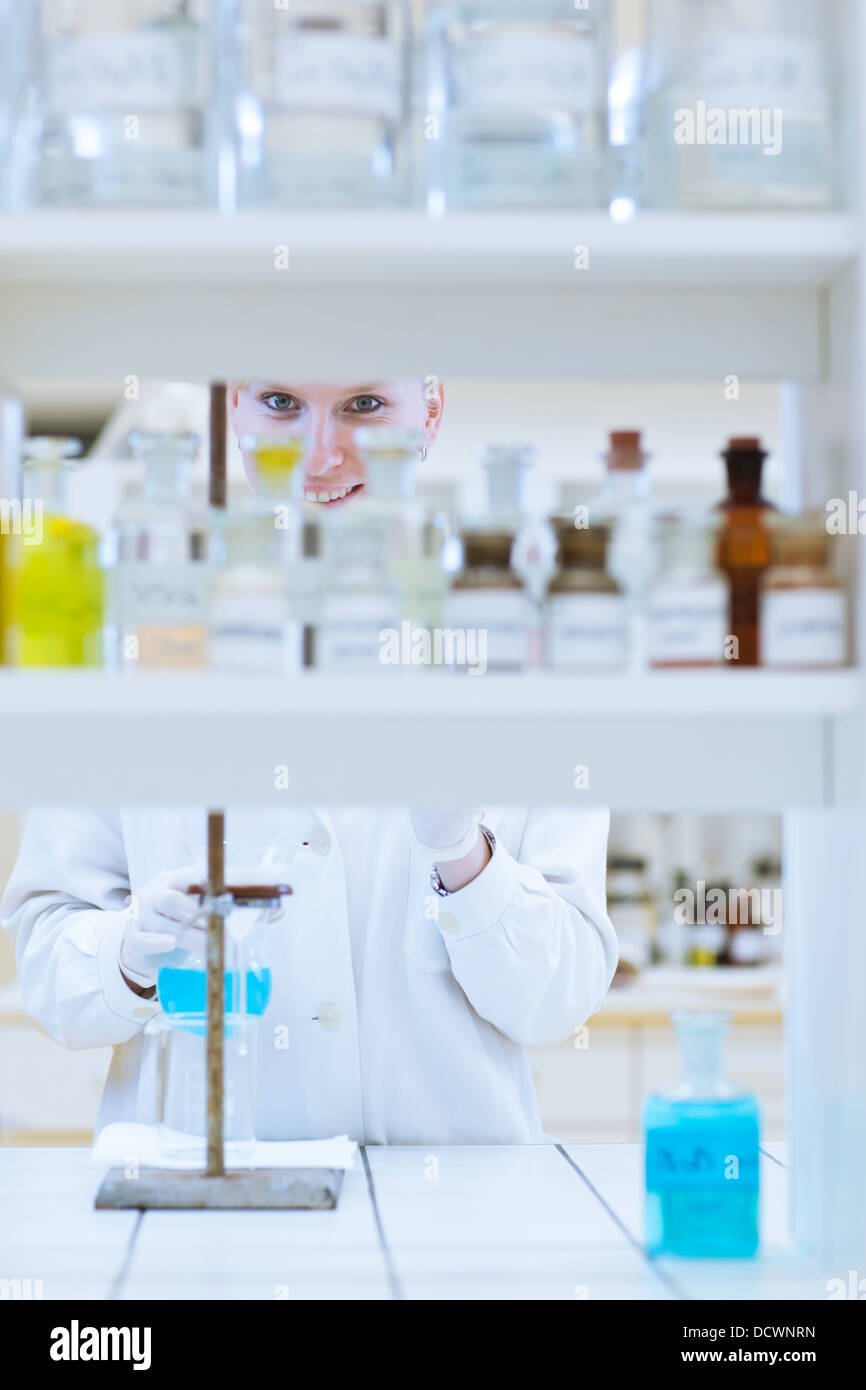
(448, 922)
(329, 1016)
(319, 842)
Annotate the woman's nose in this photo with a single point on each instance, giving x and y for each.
(323, 458)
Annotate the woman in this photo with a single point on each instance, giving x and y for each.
(422, 949)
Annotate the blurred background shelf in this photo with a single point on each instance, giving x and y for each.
(726, 741)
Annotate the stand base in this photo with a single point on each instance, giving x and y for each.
(250, 1189)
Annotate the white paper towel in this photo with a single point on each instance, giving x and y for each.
(119, 1145)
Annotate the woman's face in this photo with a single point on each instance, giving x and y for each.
(327, 415)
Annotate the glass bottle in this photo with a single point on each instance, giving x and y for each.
(740, 105)
(625, 505)
(744, 542)
(506, 469)
(688, 603)
(323, 115)
(489, 606)
(803, 607)
(56, 601)
(253, 915)
(126, 109)
(162, 573)
(384, 564)
(254, 626)
(12, 434)
(633, 908)
(702, 1153)
(516, 104)
(585, 618)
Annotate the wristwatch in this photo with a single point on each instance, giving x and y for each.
(435, 880)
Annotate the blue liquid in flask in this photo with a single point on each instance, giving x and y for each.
(702, 1156)
(185, 991)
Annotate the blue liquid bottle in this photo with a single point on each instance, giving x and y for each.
(182, 981)
(702, 1154)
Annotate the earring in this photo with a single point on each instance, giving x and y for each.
(424, 452)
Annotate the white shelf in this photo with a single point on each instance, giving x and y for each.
(695, 741)
(193, 296)
(358, 247)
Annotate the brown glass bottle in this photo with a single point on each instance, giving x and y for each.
(744, 542)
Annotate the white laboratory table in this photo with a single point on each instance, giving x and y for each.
(542, 1222)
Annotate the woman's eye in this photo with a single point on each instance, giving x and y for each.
(279, 400)
(365, 405)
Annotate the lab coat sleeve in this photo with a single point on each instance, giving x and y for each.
(64, 904)
(529, 940)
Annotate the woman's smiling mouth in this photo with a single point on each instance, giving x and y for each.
(333, 495)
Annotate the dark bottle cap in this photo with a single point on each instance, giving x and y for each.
(744, 461)
(625, 453)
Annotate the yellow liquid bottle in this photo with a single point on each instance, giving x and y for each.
(55, 583)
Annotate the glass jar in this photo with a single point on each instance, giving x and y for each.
(688, 602)
(55, 579)
(744, 544)
(740, 104)
(254, 625)
(384, 564)
(803, 606)
(488, 605)
(585, 617)
(702, 1153)
(323, 113)
(126, 109)
(633, 908)
(160, 583)
(515, 104)
(181, 1089)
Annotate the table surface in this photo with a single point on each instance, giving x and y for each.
(500, 1222)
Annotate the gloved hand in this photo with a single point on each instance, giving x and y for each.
(443, 834)
(156, 919)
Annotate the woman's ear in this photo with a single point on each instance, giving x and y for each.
(434, 402)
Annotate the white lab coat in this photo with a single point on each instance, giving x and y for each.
(423, 1039)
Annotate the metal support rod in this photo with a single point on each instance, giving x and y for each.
(215, 1041)
(218, 424)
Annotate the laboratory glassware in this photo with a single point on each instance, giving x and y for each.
(702, 1153)
(55, 580)
(127, 103)
(688, 601)
(323, 104)
(380, 559)
(739, 104)
(181, 1088)
(744, 544)
(515, 104)
(254, 627)
(161, 578)
(626, 507)
(585, 615)
(803, 606)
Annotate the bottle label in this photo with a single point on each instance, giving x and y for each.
(803, 627)
(251, 632)
(131, 73)
(522, 68)
(504, 617)
(586, 631)
(343, 73)
(707, 1157)
(744, 70)
(350, 632)
(688, 626)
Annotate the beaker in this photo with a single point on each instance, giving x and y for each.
(181, 1088)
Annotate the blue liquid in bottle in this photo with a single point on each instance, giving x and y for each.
(184, 991)
(702, 1155)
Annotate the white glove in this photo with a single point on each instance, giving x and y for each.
(156, 919)
(443, 835)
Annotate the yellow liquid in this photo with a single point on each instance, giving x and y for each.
(277, 461)
(55, 595)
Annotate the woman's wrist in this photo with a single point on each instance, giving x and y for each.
(455, 874)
